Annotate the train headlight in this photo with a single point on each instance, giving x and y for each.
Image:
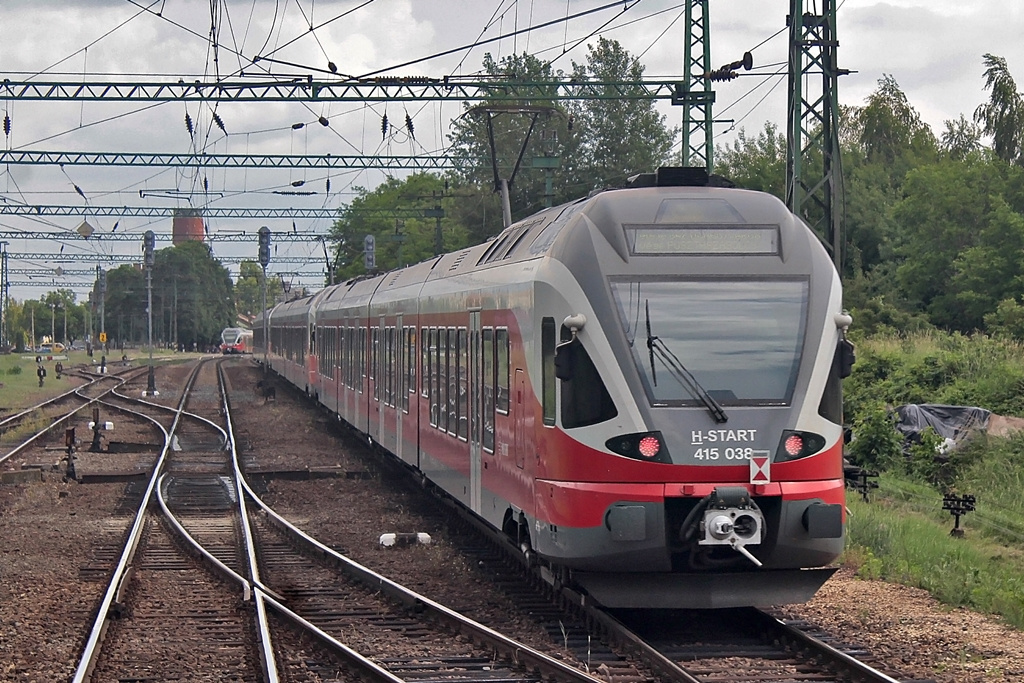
(795, 445)
(649, 446)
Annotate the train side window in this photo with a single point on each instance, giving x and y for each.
(547, 368)
(502, 365)
(361, 357)
(585, 399)
(442, 378)
(389, 365)
(462, 384)
(424, 362)
(452, 382)
(430, 376)
(410, 366)
(487, 404)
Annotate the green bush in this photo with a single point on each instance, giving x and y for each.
(876, 443)
(14, 370)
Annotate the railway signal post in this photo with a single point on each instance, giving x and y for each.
(264, 256)
(148, 246)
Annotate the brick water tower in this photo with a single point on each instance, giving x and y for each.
(188, 225)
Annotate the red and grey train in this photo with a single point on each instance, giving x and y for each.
(642, 388)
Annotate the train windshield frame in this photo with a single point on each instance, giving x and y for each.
(741, 340)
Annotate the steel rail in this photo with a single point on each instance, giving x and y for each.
(87, 662)
(860, 670)
(56, 421)
(365, 666)
(263, 626)
(53, 399)
(548, 666)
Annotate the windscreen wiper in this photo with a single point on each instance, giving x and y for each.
(657, 347)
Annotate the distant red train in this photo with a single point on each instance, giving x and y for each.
(236, 340)
(641, 388)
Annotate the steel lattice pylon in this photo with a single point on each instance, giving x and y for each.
(812, 166)
(697, 96)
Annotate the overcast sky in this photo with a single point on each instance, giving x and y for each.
(933, 48)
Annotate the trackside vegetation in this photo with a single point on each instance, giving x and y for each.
(902, 534)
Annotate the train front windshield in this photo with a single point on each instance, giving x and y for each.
(739, 339)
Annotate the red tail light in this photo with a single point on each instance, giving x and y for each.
(649, 446)
(794, 445)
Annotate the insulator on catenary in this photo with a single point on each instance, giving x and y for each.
(298, 126)
(333, 67)
(409, 127)
(188, 123)
(220, 124)
(7, 124)
(384, 126)
(328, 186)
(298, 183)
(206, 184)
(323, 121)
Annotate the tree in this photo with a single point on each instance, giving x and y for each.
(192, 298)
(961, 138)
(1003, 116)
(599, 143)
(755, 164)
(947, 208)
(534, 122)
(890, 127)
(400, 240)
(249, 289)
(615, 137)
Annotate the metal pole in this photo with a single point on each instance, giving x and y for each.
(149, 259)
(3, 293)
(266, 340)
(151, 380)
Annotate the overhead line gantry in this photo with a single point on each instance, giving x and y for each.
(412, 89)
(272, 161)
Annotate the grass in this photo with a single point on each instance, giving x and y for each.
(903, 534)
(906, 542)
(21, 385)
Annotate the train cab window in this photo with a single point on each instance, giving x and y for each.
(501, 368)
(831, 405)
(585, 399)
(740, 340)
(547, 369)
(489, 381)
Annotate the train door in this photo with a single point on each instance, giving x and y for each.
(398, 383)
(475, 390)
(379, 382)
(519, 419)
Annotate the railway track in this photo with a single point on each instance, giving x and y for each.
(39, 426)
(220, 587)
